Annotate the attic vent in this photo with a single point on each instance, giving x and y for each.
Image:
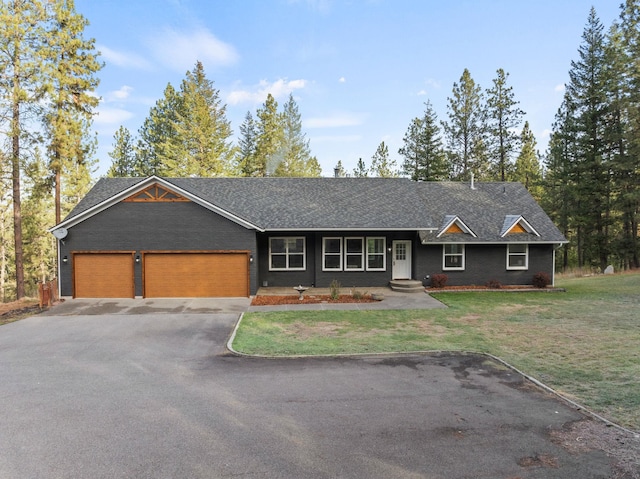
(155, 194)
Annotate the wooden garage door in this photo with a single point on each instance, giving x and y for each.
(195, 275)
(103, 275)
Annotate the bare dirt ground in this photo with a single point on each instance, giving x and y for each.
(268, 300)
(18, 309)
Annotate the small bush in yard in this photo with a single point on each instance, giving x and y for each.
(541, 280)
(334, 289)
(439, 280)
(493, 284)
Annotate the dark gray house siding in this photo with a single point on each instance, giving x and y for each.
(484, 263)
(155, 226)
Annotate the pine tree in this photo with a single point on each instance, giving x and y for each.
(591, 170)
(361, 170)
(21, 91)
(622, 55)
(465, 130)
(381, 165)
(202, 147)
(70, 66)
(339, 171)
(123, 156)
(294, 149)
(247, 145)
(157, 136)
(527, 168)
(425, 158)
(504, 117)
(269, 139)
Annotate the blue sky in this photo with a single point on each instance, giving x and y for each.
(359, 70)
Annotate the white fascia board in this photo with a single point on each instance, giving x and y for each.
(79, 218)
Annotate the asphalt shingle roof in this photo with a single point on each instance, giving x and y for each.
(357, 204)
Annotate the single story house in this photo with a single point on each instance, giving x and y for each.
(207, 237)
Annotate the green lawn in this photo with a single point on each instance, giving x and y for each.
(584, 343)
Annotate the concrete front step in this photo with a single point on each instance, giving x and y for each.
(407, 286)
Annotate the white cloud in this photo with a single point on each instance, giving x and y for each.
(342, 80)
(336, 138)
(180, 50)
(559, 88)
(336, 120)
(112, 116)
(422, 92)
(258, 94)
(122, 59)
(120, 94)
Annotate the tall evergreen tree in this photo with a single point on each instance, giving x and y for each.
(381, 164)
(503, 119)
(424, 157)
(70, 63)
(465, 130)
(22, 36)
(527, 168)
(203, 146)
(591, 170)
(295, 152)
(623, 54)
(247, 146)
(124, 159)
(158, 136)
(269, 139)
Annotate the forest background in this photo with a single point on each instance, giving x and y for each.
(587, 179)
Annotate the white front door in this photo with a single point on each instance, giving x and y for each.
(401, 260)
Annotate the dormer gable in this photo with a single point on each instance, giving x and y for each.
(155, 194)
(516, 224)
(454, 225)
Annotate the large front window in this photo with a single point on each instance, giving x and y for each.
(517, 256)
(453, 258)
(287, 253)
(353, 254)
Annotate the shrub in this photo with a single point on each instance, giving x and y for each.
(541, 280)
(334, 289)
(355, 294)
(493, 284)
(439, 280)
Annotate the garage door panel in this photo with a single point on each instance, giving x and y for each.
(103, 275)
(195, 275)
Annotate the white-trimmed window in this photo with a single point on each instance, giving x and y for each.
(287, 253)
(517, 256)
(331, 254)
(453, 256)
(354, 254)
(376, 254)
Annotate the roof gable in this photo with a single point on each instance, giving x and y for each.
(516, 224)
(454, 225)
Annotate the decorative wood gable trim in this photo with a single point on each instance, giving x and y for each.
(454, 225)
(155, 194)
(514, 224)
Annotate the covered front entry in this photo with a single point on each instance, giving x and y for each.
(195, 274)
(103, 275)
(401, 267)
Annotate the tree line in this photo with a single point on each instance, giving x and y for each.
(587, 180)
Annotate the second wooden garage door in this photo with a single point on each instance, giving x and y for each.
(195, 275)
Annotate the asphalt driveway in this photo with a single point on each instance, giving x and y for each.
(152, 395)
